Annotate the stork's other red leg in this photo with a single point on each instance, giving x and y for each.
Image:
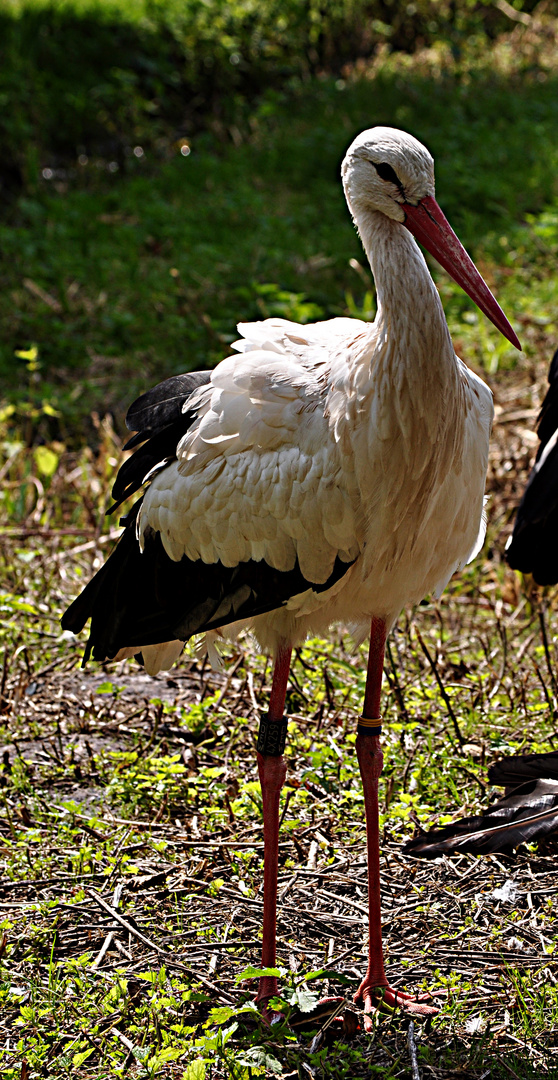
(272, 769)
(375, 989)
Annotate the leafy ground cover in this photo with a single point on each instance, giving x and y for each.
(120, 280)
(131, 834)
(130, 896)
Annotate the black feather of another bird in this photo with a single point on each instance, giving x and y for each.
(533, 547)
(548, 417)
(511, 771)
(160, 419)
(529, 813)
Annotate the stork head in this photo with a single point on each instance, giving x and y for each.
(385, 168)
(389, 171)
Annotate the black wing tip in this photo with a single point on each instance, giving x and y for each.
(75, 617)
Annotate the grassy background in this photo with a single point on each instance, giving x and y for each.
(96, 73)
(125, 262)
(166, 171)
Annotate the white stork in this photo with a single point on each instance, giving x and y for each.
(330, 472)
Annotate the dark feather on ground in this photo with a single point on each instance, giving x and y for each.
(508, 772)
(528, 812)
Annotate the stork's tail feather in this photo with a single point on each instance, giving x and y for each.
(529, 812)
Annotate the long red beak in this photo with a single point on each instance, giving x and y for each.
(433, 230)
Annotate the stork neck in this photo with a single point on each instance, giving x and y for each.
(410, 313)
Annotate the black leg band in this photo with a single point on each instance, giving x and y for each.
(272, 736)
(369, 727)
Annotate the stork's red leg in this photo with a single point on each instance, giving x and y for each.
(272, 769)
(375, 991)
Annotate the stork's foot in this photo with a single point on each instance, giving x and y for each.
(266, 992)
(331, 1011)
(384, 999)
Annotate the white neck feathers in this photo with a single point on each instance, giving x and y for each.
(410, 315)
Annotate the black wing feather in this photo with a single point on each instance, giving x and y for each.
(533, 548)
(144, 597)
(162, 405)
(159, 419)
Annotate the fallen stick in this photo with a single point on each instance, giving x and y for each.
(162, 952)
(411, 1043)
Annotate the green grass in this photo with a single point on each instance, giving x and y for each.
(124, 280)
(99, 76)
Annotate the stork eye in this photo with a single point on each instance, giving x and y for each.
(387, 173)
